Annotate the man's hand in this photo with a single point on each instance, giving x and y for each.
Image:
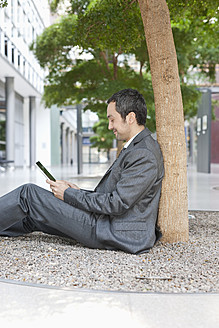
(58, 187)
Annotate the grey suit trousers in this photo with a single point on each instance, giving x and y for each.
(31, 208)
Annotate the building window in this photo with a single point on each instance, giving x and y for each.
(2, 131)
(19, 59)
(24, 68)
(6, 47)
(12, 55)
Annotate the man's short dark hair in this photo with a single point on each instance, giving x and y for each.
(130, 100)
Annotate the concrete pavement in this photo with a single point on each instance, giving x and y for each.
(203, 188)
(32, 305)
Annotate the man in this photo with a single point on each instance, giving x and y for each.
(121, 213)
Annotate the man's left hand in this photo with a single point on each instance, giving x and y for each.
(58, 187)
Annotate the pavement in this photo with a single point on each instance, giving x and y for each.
(32, 305)
(203, 189)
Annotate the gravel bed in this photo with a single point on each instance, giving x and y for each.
(168, 268)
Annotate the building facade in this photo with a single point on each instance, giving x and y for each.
(24, 122)
(215, 123)
(29, 131)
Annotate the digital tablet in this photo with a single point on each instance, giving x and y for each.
(45, 171)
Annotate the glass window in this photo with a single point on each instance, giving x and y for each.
(19, 59)
(24, 67)
(6, 47)
(12, 54)
(2, 132)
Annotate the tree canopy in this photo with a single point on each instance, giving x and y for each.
(107, 34)
(3, 3)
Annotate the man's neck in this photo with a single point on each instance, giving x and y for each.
(130, 139)
(136, 131)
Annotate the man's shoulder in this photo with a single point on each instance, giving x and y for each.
(146, 140)
(145, 147)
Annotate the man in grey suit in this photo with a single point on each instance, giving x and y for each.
(121, 213)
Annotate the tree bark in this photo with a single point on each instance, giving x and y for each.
(120, 145)
(115, 67)
(173, 207)
(104, 56)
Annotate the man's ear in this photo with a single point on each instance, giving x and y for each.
(131, 117)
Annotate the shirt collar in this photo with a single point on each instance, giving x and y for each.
(130, 140)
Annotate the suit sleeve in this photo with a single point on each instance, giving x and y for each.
(138, 175)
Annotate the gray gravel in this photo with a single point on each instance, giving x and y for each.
(176, 268)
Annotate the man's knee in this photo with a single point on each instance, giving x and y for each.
(29, 186)
(27, 193)
(28, 189)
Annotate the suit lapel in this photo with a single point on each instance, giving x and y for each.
(141, 136)
(136, 140)
(110, 168)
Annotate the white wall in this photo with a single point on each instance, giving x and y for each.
(26, 132)
(43, 140)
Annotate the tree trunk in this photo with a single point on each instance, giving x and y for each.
(120, 145)
(173, 208)
(115, 67)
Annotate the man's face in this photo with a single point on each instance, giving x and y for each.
(120, 128)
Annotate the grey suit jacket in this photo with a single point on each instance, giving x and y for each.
(125, 202)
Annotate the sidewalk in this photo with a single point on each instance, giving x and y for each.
(32, 305)
(90, 176)
(202, 194)
(203, 189)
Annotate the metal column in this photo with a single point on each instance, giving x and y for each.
(204, 132)
(79, 138)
